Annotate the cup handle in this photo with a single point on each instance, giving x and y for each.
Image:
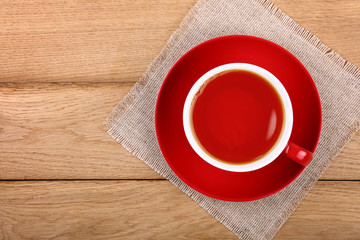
(298, 154)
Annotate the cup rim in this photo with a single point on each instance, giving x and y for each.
(279, 145)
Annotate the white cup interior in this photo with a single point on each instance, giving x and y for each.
(283, 138)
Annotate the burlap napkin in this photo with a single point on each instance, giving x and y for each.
(338, 82)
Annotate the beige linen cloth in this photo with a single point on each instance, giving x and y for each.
(132, 121)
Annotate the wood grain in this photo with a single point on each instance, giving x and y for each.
(331, 210)
(102, 210)
(114, 41)
(155, 210)
(65, 65)
(336, 23)
(56, 131)
(82, 41)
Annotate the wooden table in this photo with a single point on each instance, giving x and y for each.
(65, 65)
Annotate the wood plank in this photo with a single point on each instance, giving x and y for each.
(156, 210)
(56, 131)
(336, 23)
(102, 210)
(346, 165)
(331, 210)
(114, 41)
(82, 41)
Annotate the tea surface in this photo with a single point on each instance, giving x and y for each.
(237, 116)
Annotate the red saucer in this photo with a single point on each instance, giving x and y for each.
(197, 173)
